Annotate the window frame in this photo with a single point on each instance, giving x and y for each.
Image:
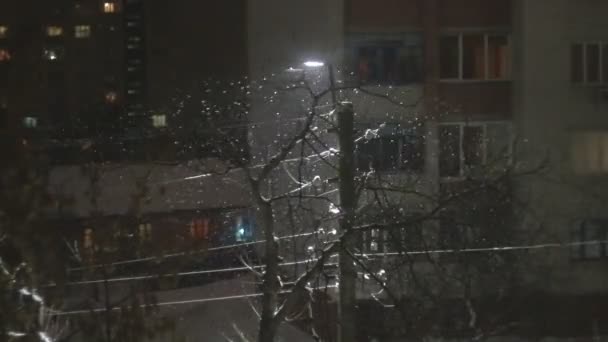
(5, 55)
(30, 122)
(54, 31)
(400, 41)
(484, 146)
(109, 7)
(400, 133)
(578, 250)
(460, 61)
(602, 45)
(53, 54)
(581, 166)
(144, 232)
(159, 120)
(82, 31)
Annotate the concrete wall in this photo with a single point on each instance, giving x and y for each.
(163, 188)
(548, 108)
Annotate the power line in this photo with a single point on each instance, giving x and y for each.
(180, 302)
(319, 155)
(292, 263)
(212, 249)
(183, 274)
(491, 249)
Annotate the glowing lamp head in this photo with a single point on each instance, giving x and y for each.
(313, 64)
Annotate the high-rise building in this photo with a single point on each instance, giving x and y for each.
(113, 70)
(63, 64)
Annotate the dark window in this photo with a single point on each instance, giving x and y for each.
(449, 152)
(453, 234)
(589, 240)
(589, 63)
(473, 57)
(464, 147)
(576, 60)
(593, 63)
(498, 57)
(472, 145)
(3, 112)
(449, 57)
(392, 149)
(605, 63)
(388, 59)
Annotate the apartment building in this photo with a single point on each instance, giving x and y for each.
(519, 78)
(61, 61)
(560, 108)
(482, 74)
(115, 72)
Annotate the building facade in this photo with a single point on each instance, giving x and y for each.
(519, 82)
(481, 82)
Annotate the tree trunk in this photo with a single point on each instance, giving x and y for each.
(348, 272)
(270, 285)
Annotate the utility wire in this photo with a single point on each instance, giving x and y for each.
(173, 255)
(292, 263)
(251, 295)
(183, 274)
(180, 302)
(492, 249)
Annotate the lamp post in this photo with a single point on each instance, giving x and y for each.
(347, 309)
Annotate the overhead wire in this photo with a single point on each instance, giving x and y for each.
(173, 255)
(298, 262)
(179, 302)
(183, 274)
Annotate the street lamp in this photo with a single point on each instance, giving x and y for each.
(313, 64)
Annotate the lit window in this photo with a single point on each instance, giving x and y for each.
(199, 228)
(30, 122)
(159, 120)
(3, 31)
(589, 63)
(54, 31)
(52, 54)
(109, 7)
(474, 57)
(589, 240)
(5, 55)
(111, 97)
(243, 228)
(145, 232)
(590, 152)
(88, 240)
(82, 31)
(373, 241)
(464, 147)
